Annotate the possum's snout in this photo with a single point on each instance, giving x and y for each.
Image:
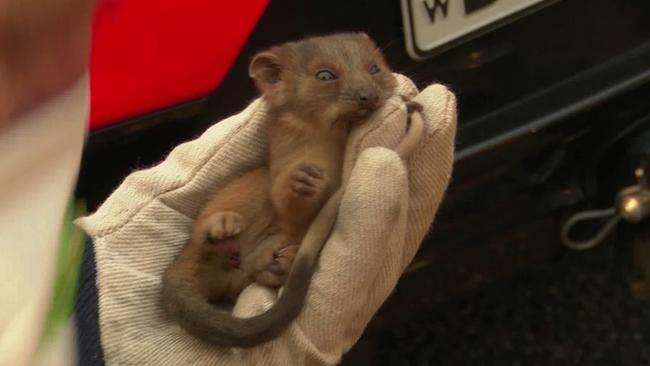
(368, 99)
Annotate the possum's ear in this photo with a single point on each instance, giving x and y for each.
(265, 70)
(367, 38)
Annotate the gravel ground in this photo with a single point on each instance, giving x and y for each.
(575, 310)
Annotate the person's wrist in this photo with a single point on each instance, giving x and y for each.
(43, 51)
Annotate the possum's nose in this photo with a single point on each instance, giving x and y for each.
(368, 98)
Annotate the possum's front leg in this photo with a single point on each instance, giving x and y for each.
(298, 193)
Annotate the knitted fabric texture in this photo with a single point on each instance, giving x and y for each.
(385, 212)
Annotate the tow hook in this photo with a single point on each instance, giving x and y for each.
(634, 201)
(632, 205)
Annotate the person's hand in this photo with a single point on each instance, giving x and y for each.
(385, 212)
(44, 49)
(44, 103)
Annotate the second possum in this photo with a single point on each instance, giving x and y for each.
(316, 90)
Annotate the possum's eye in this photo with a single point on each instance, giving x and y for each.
(325, 75)
(374, 69)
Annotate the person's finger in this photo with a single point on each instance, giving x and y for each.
(348, 288)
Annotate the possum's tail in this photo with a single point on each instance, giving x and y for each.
(207, 322)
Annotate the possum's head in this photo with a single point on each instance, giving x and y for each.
(338, 77)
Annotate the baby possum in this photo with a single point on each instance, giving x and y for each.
(316, 90)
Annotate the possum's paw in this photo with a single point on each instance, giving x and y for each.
(220, 229)
(221, 225)
(275, 263)
(308, 180)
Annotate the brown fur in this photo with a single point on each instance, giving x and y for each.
(251, 230)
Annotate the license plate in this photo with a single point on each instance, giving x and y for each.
(432, 26)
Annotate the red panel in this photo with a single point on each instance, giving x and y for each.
(152, 54)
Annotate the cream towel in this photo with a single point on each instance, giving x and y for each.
(385, 212)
